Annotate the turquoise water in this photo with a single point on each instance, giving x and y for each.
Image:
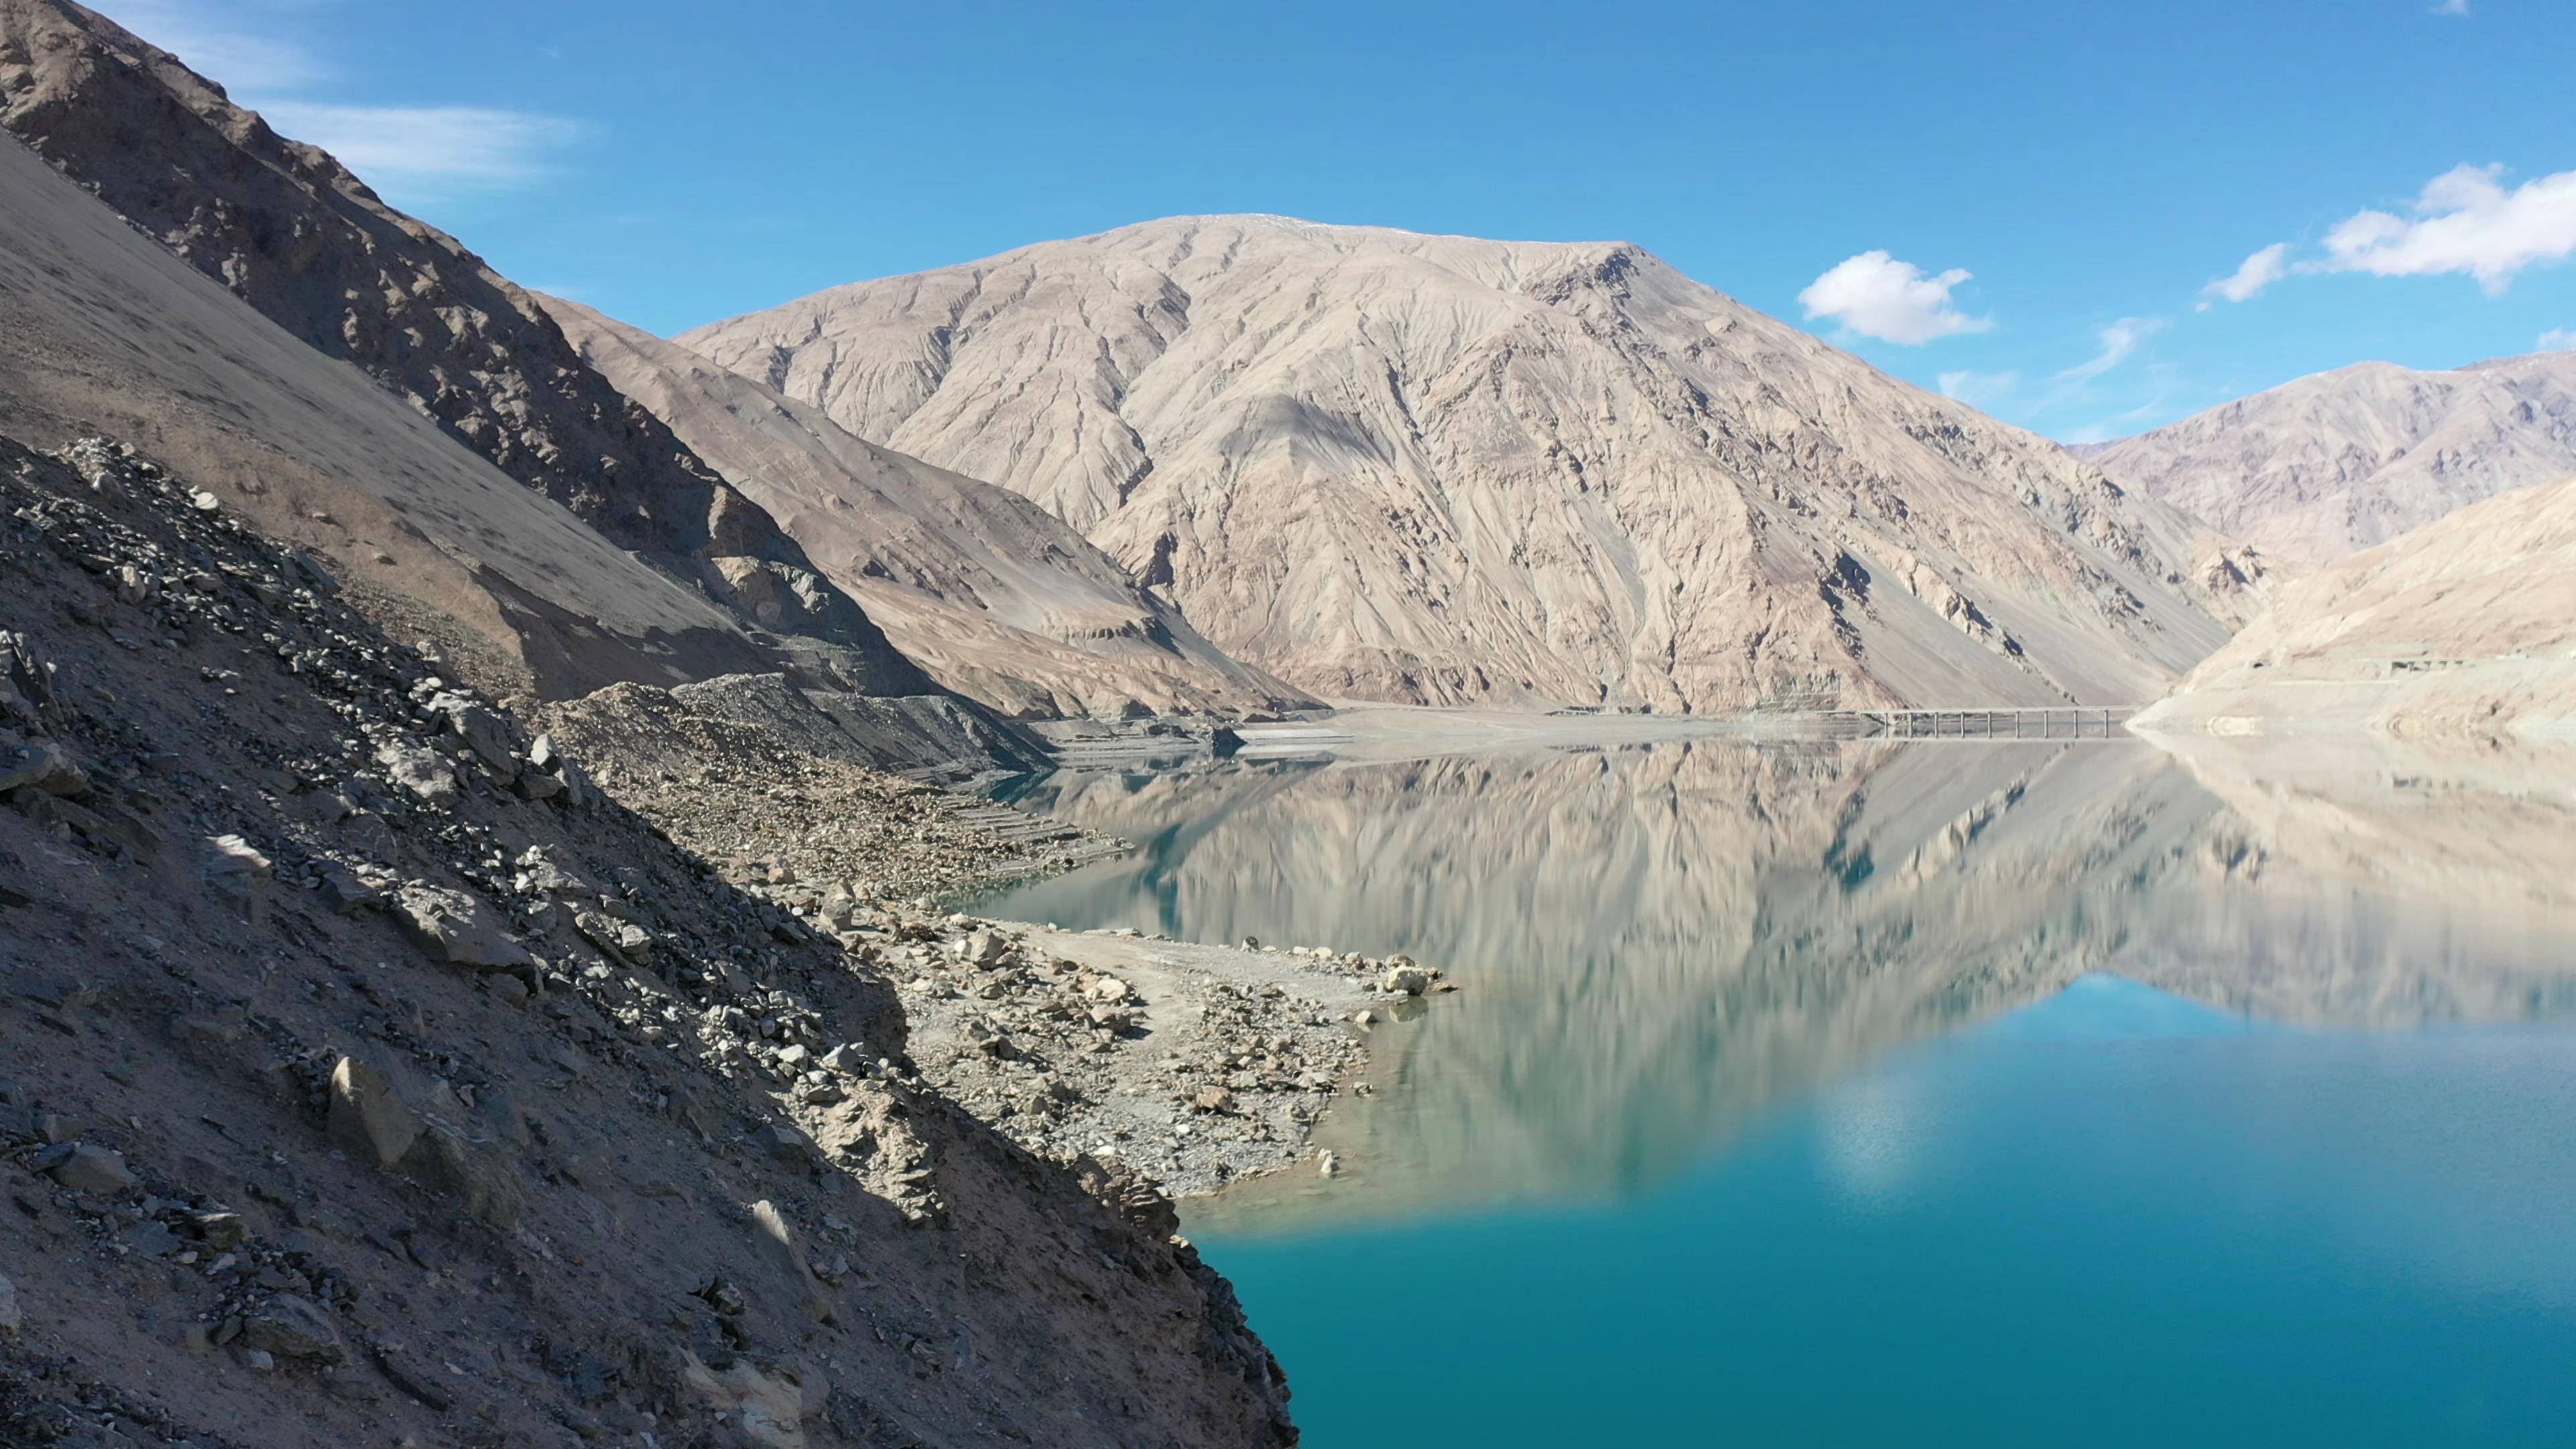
(2023, 1097)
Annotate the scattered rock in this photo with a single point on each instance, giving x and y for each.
(11, 1316)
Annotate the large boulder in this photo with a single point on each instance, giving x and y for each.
(367, 1112)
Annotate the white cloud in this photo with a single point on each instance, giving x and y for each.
(429, 147)
(2089, 433)
(2452, 7)
(2558, 339)
(2119, 341)
(1878, 296)
(2465, 221)
(2258, 271)
(1979, 389)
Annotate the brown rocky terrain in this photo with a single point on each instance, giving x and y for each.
(372, 1076)
(991, 594)
(113, 340)
(2326, 466)
(2466, 626)
(1430, 469)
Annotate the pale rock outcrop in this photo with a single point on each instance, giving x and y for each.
(1436, 469)
(2316, 469)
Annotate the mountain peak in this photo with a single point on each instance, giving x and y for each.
(1392, 465)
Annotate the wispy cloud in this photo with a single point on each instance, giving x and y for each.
(2452, 7)
(2558, 339)
(1878, 296)
(427, 147)
(2119, 342)
(410, 153)
(2258, 271)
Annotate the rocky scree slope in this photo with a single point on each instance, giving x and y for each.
(991, 594)
(291, 232)
(2326, 466)
(2466, 626)
(1443, 470)
(373, 1078)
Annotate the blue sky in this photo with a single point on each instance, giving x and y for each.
(2025, 204)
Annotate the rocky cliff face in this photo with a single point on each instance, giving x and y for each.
(2332, 464)
(367, 1074)
(2466, 626)
(290, 231)
(993, 595)
(1437, 469)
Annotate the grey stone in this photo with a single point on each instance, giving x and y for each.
(367, 1112)
(236, 871)
(981, 948)
(545, 873)
(487, 734)
(84, 1168)
(418, 769)
(292, 1327)
(346, 892)
(12, 1318)
(1406, 980)
(457, 928)
(42, 765)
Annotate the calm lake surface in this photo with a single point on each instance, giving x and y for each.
(1959, 1094)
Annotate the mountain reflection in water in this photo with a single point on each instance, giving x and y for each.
(1656, 942)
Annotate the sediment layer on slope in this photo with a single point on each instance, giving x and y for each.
(991, 594)
(291, 232)
(371, 1077)
(2323, 467)
(2465, 626)
(1439, 469)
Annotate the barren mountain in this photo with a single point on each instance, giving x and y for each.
(2466, 625)
(2325, 466)
(290, 231)
(1439, 469)
(993, 595)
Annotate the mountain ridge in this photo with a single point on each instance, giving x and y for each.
(2324, 466)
